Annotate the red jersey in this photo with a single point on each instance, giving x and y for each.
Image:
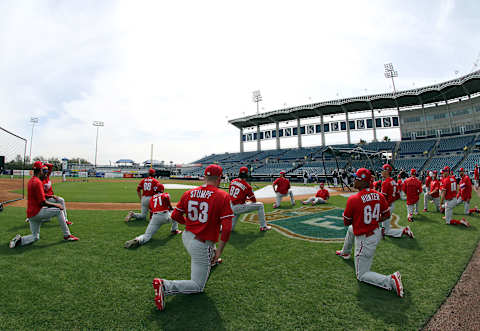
(476, 174)
(36, 196)
(365, 210)
(389, 190)
(412, 188)
(428, 180)
(240, 191)
(283, 185)
(434, 188)
(147, 185)
(449, 185)
(322, 193)
(160, 202)
(377, 186)
(465, 191)
(206, 207)
(399, 185)
(47, 186)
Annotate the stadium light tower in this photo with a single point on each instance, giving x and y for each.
(391, 73)
(33, 120)
(98, 124)
(257, 97)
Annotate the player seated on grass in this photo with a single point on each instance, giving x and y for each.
(240, 191)
(465, 193)
(363, 213)
(448, 200)
(160, 208)
(320, 197)
(206, 208)
(281, 187)
(145, 192)
(412, 187)
(39, 210)
(433, 192)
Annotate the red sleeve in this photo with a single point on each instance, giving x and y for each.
(275, 182)
(384, 208)
(250, 194)
(140, 185)
(169, 204)
(348, 212)
(226, 216)
(177, 214)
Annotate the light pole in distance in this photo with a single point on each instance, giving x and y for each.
(98, 124)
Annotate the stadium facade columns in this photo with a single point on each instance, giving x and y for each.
(348, 124)
(277, 136)
(299, 133)
(241, 140)
(322, 128)
(373, 121)
(259, 148)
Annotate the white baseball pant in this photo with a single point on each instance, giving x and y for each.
(476, 183)
(158, 219)
(466, 205)
(246, 208)
(36, 221)
(314, 200)
(412, 209)
(61, 201)
(145, 203)
(335, 181)
(201, 254)
(279, 197)
(364, 252)
(427, 197)
(389, 231)
(449, 205)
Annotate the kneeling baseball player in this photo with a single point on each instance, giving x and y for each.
(465, 193)
(362, 215)
(160, 208)
(145, 192)
(240, 191)
(433, 192)
(320, 197)
(281, 186)
(448, 198)
(39, 210)
(207, 208)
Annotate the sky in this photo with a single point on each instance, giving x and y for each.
(172, 73)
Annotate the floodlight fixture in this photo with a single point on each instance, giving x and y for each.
(97, 124)
(33, 120)
(257, 97)
(390, 72)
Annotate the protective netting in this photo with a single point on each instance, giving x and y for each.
(12, 165)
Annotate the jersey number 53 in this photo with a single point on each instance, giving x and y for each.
(197, 211)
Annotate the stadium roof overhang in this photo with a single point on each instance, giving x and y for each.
(453, 89)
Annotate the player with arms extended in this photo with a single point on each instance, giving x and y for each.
(281, 186)
(207, 208)
(160, 207)
(448, 191)
(362, 215)
(145, 192)
(412, 187)
(240, 191)
(39, 210)
(320, 197)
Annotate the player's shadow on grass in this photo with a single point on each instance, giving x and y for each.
(406, 243)
(188, 312)
(6, 250)
(242, 240)
(154, 243)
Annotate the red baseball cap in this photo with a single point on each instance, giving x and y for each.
(37, 165)
(364, 175)
(447, 168)
(461, 170)
(48, 165)
(213, 170)
(151, 171)
(282, 172)
(243, 170)
(413, 172)
(387, 167)
(435, 172)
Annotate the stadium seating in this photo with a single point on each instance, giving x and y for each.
(317, 167)
(410, 163)
(416, 146)
(387, 146)
(272, 169)
(454, 144)
(469, 163)
(298, 153)
(439, 162)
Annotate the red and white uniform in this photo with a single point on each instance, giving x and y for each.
(449, 186)
(476, 176)
(148, 186)
(160, 202)
(50, 196)
(240, 191)
(412, 187)
(432, 194)
(465, 193)
(363, 213)
(320, 197)
(390, 192)
(36, 196)
(281, 186)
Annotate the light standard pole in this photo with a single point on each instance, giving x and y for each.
(391, 73)
(98, 124)
(33, 120)
(257, 97)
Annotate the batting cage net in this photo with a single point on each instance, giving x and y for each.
(12, 166)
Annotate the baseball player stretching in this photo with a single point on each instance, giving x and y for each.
(320, 197)
(145, 192)
(240, 191)
(412, 187)
(159, 209)
(39, 210)
(206, 208)
(362, 215)
(465, 193)
(281, 186)
(433, 192)
(448, 191)
(476, 176)
(391, 194)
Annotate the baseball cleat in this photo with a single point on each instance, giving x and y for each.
(27, 220)
(265, 228)
(17, 240)
(464, 222)
(216, 262)
(410, 219)
(134, 243)
(342, 255)
(275, 206)
(397, 279)
(425, 210)
(408, 232)
(129, 216)
(70, 238)
(159, 293)
(304, 203)
(68, 222)
(174, 232)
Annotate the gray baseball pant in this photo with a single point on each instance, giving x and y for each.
(246, 208)
(412, 209)
(158, 219)
(389, 231)
(466, 205)
(427, 197)
(364, 252)
(36, 221)
(279, 197)
(201, 254)
(314, 200)
(61, 201)
(145, 203)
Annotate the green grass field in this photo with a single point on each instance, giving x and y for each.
(268, 281)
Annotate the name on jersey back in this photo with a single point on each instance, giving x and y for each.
(370, 197)
(202, 194)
